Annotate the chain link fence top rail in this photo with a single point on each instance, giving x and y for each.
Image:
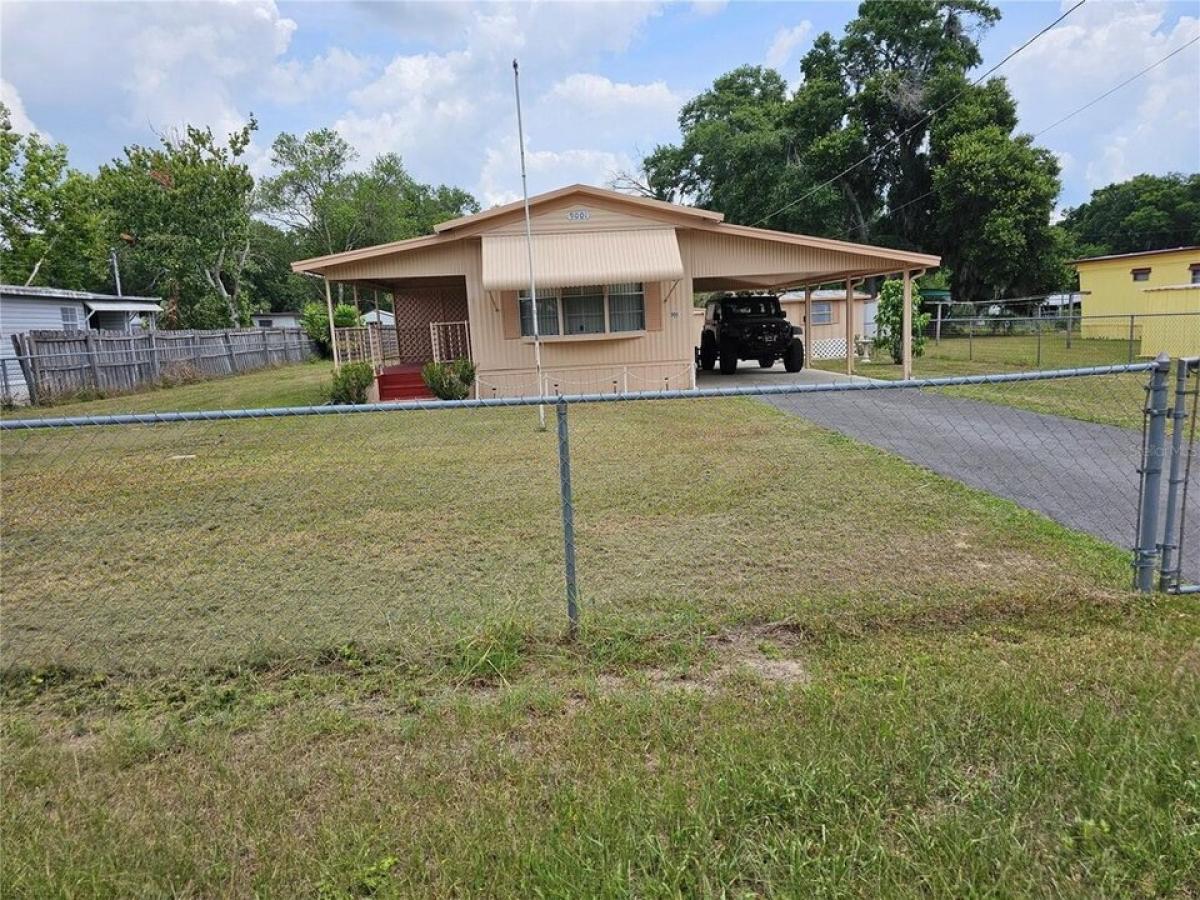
(165, 540)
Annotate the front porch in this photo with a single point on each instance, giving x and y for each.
(430, 323)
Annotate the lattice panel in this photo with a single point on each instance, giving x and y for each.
(828, 348)
(416, 308)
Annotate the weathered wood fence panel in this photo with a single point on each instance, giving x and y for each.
(56, 364)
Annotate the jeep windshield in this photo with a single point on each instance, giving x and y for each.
(752, 306)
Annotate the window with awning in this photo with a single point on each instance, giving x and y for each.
(585, 258)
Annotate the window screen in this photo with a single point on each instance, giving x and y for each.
(822, 312)
(1141, 274)
(70, 318)
(583, 309)
(547, 313)
(626, 307)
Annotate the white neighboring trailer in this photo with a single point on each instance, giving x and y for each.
(25, 309)
(276, 319)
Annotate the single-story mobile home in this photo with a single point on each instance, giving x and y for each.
(614, 275)
(24, 309)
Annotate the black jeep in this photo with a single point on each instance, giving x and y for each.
(749, 327)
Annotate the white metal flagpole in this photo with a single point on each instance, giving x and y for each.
(533, 304)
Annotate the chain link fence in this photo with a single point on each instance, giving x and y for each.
(1050, 342)
(159, 541)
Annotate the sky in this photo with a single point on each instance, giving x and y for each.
(601, 82)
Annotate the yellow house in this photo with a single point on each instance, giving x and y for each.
(615, 280)
(1151, 297)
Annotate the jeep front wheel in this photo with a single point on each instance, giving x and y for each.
(793, 358)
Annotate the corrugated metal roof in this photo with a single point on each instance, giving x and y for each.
(562, 260)
(51, 293)
(1134, 255)
(123, 305)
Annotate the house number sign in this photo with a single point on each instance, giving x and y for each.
(578, 215)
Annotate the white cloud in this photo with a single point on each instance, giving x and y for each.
(18, 118)
(596, 93)
(785, 43)
(706, 8)
(451, 113)
(295, 81)
(547, 169)
(1149, 126)
(117, 72)
(146, 66)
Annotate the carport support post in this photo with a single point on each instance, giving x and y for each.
(568, 519)
(907, 325)
(849, 327)
(332, 335)
(1146, 551)
(808, 345)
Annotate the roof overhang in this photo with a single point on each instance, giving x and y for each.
(598, 257)
(32, 292)
(122, 306)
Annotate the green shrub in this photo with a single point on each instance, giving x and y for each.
(449, 381)
(351, 383)
(889, 322)
(314, 319)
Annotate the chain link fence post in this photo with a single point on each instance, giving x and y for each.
(1176, 480)
(1153, 452)
(568, 518)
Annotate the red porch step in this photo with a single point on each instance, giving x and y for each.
(403, 383)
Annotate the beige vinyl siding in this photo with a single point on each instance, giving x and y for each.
(716, 255)
(426, 262)
(558, 220)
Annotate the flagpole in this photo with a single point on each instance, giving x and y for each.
(533, 304)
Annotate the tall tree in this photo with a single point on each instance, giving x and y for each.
(330, 207)
(181, 212)
(848, 153)
(50, 223)
(1147, 212)
(735, 154)
(995, 194)
(311, 193)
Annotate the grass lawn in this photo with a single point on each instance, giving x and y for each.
(300, 384)
(326, 657)
(1119, 401)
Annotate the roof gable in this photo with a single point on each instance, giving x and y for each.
(581, 195)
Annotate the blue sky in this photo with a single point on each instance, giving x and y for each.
(601, 82)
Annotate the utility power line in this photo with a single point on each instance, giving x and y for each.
(925, 118)
(1116, 88)
(1072, 114)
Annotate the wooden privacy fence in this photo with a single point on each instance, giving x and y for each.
(60, 363)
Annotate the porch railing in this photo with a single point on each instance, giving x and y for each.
(366, 343)
(450, 340)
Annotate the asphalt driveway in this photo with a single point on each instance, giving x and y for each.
(1079, 474)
